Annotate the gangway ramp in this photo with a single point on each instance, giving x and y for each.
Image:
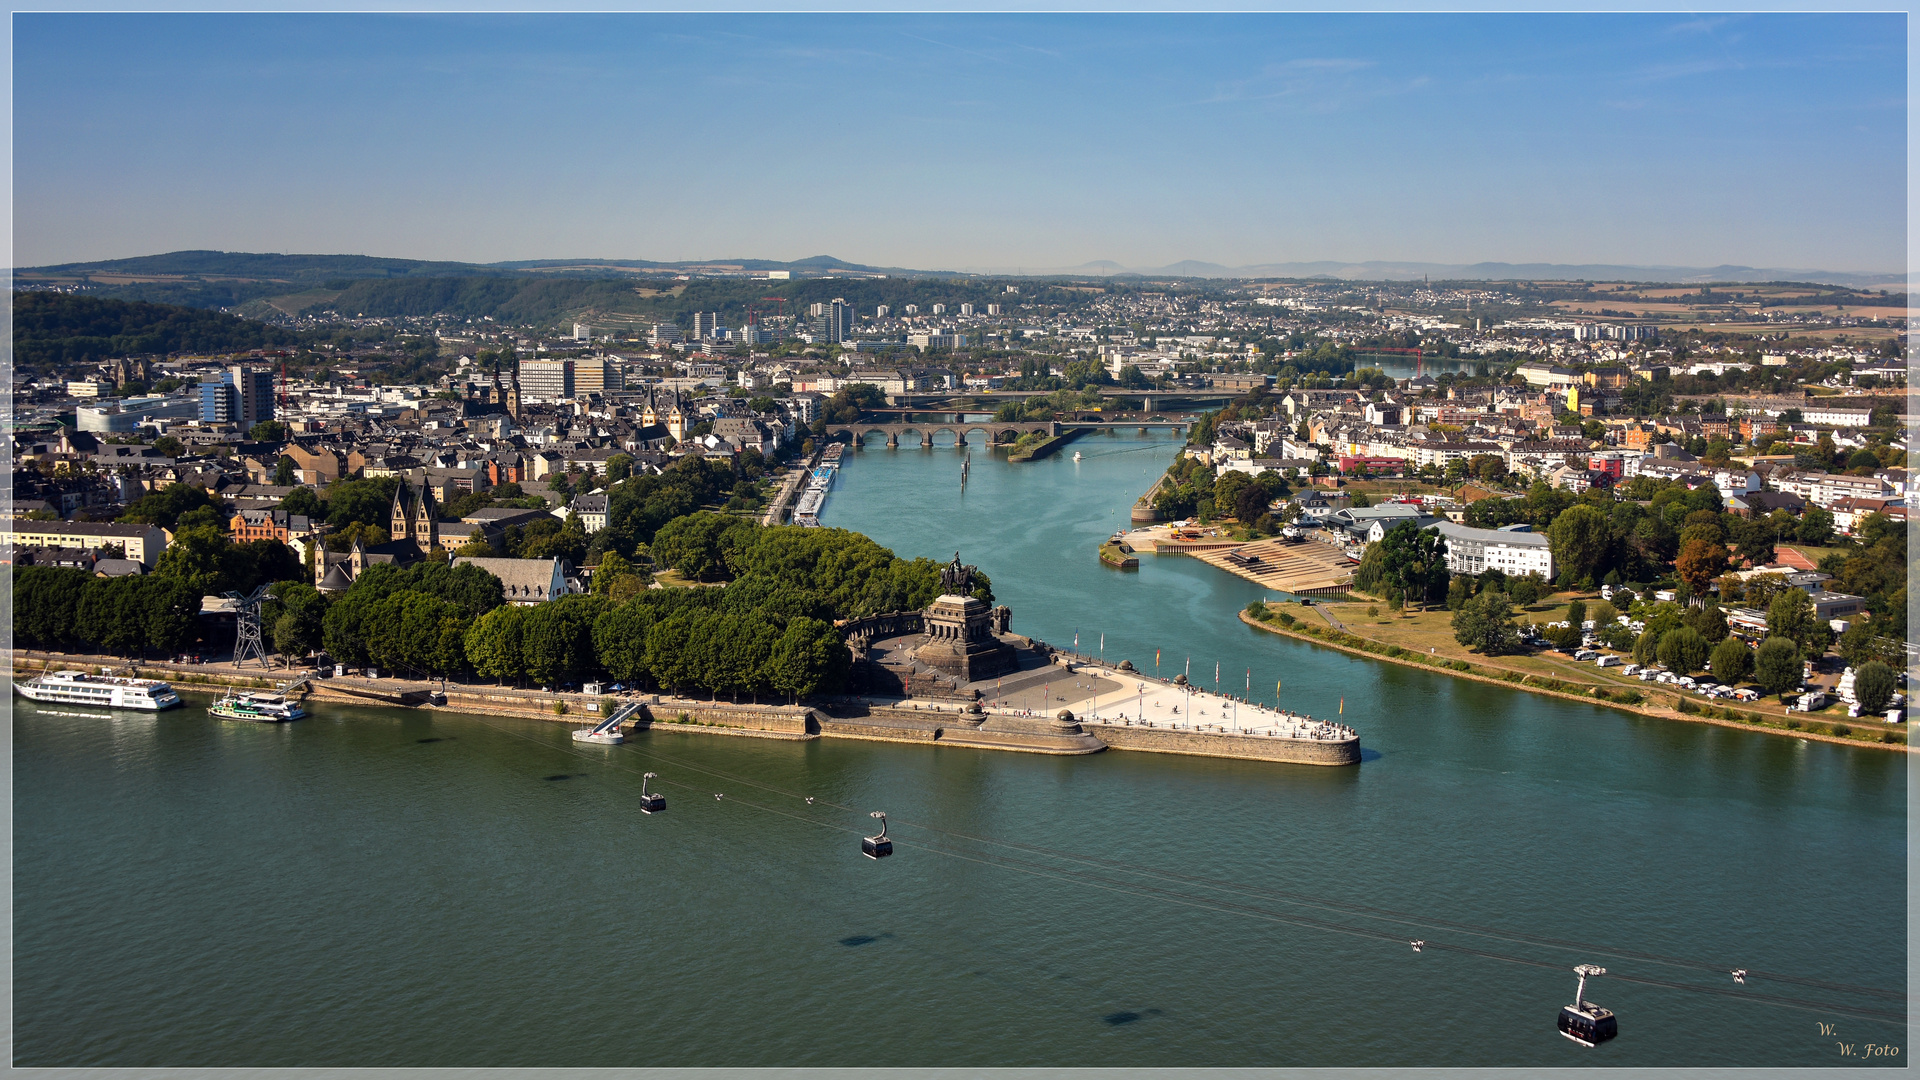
(608, 730)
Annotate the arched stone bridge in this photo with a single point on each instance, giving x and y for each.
(982, 432)
(922, 433)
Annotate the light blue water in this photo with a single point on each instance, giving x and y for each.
(405, 887)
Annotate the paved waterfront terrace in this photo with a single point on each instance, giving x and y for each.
(1103, 695)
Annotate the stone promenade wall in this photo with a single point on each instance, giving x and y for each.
(1204, 744)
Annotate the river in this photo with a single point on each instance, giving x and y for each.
(400, 887)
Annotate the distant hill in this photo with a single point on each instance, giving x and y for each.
(545, 290)
(63, 331)
(1485, 271)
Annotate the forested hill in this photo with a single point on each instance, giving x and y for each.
(60, 330)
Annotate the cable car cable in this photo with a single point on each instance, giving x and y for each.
(1409, 918)
(1138, 889)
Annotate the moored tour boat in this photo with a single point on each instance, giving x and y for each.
(104, 691)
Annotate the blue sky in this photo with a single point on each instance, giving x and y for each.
(949, 141)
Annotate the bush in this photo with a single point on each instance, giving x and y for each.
(1286, 618)
(1793, 722)
(559, 708)
(1513, 676)
(1842, 730)
(1755, 718)
(1895, 737)
(1687, 707)
(1629, 696)
(1258, 610)
(1461, 665)
(1816, 729)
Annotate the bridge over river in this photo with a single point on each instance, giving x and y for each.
(985, 432)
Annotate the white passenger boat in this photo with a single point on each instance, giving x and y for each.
(103, 691)
(257, 708)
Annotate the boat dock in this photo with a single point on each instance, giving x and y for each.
(806, 512)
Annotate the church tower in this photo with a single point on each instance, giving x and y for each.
(401, 519)
(426, 520)
(677, 420)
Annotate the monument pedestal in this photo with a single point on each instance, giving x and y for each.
(961, 640)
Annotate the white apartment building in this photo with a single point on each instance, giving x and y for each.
(1474, 551)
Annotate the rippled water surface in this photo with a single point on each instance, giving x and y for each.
(389, 887)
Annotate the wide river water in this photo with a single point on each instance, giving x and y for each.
(400, 887)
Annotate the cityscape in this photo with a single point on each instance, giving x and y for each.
(348, 587)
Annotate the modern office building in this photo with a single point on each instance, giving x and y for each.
(833, 322)
(597, 375)
(704, 324)
(546, 380)
(237, 395)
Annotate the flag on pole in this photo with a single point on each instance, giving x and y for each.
(1343, 706)
(1249, 680)
(1216, 673)
(1076, 638)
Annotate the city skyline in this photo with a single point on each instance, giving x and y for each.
(968, 142)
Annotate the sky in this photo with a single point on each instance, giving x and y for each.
(967, 141)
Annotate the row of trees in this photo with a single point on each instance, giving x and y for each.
(70, 610)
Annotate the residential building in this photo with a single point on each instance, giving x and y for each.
(1475, 551)
(140, 543)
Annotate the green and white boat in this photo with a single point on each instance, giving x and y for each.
(257, 708)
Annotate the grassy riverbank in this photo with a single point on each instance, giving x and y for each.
(1594, 686)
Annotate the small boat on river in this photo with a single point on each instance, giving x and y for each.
(256, 708)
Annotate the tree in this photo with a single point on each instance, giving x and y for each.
(1873, 685)
(1646, 647)
(620, 639)
(493, 644)
(1579, 538)
(1732, 661)
(1526, 590)
(268, 431)
(1485, 622)
(1683, 650)
(167, 506)
(285, 472)
(200, 557)
(297, 614)
(1415, 561)
(619, 467)
(808, 658)
(1816, 527)
(168, 446)
(1791, 616)
(1700, 561)
(1777, 666)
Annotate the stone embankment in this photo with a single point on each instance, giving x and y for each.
(947, 724)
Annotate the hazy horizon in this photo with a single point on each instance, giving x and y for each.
(969, 142)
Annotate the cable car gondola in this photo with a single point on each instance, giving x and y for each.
(1583, 1021)
(650, 802)
(877, 847)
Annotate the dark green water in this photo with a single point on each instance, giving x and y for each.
(341, 892)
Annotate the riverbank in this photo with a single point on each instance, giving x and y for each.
(840, 718)
(1346, 641)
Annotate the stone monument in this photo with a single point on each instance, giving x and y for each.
(962, 631)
